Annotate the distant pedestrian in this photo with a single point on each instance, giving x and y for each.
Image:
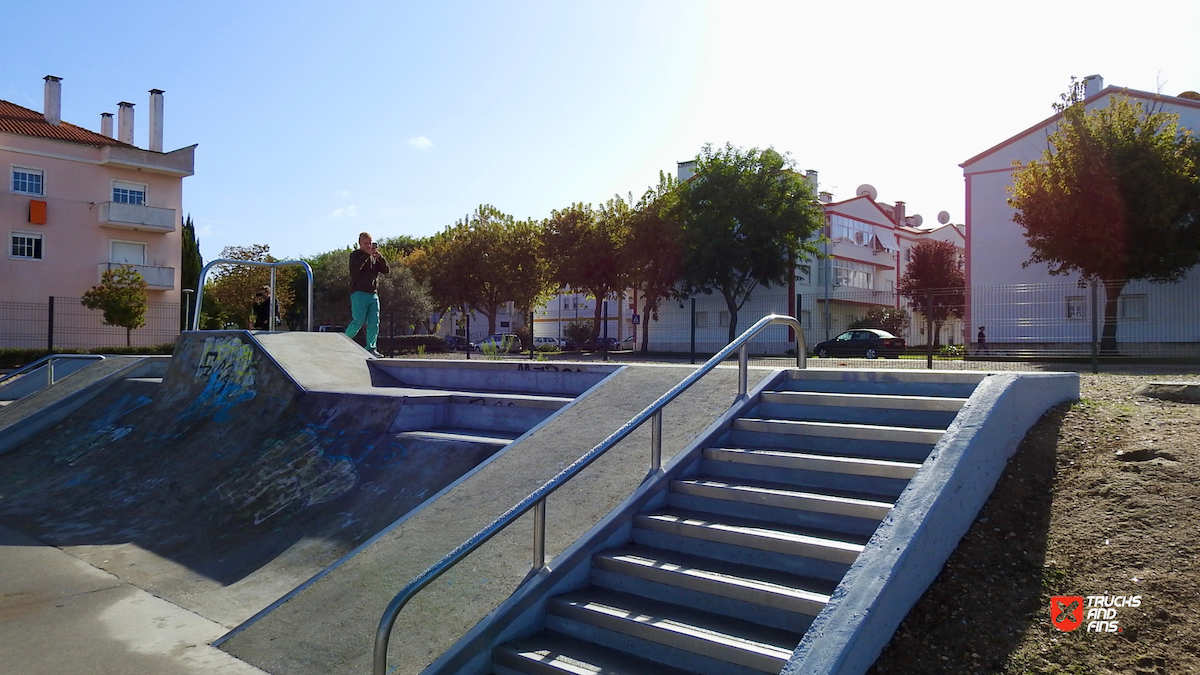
(366, 264)
(981, 341)
(262, 308)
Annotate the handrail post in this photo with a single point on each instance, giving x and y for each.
(50, 373)
(743, 366)
(656, 441)
(539, 535)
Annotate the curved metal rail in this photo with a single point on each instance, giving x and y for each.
(254, 263)
(49, 360)
(537, 499)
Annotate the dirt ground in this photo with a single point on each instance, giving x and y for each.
(1101, 499)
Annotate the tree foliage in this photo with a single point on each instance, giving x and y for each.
(746, 216)
(894, 320)
(583, 246)
(934, 283)
(122, 297)
(403, 301)
(1115, 197)
(233, 287)
(652, 250)
(190, 266)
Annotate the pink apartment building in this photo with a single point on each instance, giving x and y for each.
(77, 202)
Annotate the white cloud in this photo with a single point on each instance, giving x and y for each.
(342, 193)
(345, 212)
(420, 143)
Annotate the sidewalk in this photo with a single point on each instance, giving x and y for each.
(59, 614)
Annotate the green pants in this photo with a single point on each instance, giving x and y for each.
(364, 308)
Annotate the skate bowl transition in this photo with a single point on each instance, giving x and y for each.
(287, 487)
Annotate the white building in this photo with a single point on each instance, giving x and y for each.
(1026, 306)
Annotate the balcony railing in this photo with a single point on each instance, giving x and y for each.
(157, 278)
(137, 217)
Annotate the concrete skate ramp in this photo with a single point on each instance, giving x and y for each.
(228, 484)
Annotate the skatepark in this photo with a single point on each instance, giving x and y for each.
(254, 502)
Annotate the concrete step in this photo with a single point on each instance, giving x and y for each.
(755, 587)
(782, 459)
(892, 402)
(862, 432)
(783, 438)
(784, 497)
(715, 639)
(951, 384)
(552, 653)
(516, 415)
(752, 534)
(860, 409)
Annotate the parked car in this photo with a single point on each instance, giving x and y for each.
(547, 341)
(868, 342)
(608, 343)
(501, 341)
(331, 329)
(458, 343)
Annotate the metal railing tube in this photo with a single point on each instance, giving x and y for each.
(388, 620)
(656, 441)
(539, 535)
(743, 366)
(50, 359)
(254, 263)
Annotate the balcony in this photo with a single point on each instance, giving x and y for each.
(157, 278)
(137, 217)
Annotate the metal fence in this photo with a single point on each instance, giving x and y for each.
(64, 323)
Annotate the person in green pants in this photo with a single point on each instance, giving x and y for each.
(366, 264)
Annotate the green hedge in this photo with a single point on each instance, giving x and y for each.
(15, 358)
(408, 344)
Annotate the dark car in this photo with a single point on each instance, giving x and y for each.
(868, 342)
(458, 343)
(606, 343)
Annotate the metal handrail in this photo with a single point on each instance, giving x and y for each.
(537, 499)
(254, 263)
(49, 360)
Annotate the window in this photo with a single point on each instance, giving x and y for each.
(27, 181)
(845, 229)
(127, 252)
(26, 245)
(1075, 307)
(701, 318)
(723, 319)
(852, 274)
(129, 193)
(1131, 307)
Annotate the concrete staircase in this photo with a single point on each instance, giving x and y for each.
(726, 570)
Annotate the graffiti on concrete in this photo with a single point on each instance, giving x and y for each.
(293, 473)
(548, 368)
(101, 432)
(491, 401)
(228, 365)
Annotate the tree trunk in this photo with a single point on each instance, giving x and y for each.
(1108, 336)
(646, 310)
(937, 334)
(128, 338)
(733, 317)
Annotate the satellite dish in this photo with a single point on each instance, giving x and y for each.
(943, 217)
(1190, 95)
(867, 190)
(916, 220)
(859, 238)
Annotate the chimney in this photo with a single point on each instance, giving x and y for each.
(53, 106)
(686, 170)
(125, 122)
(106, 124)
(825, 197)
(898, 213)
(156, 121)
(1092, 84)
(811, 177)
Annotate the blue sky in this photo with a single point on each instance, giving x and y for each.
(319, 120)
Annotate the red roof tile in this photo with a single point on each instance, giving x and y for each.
(15, 119)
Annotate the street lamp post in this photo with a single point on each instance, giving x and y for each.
(187, 308)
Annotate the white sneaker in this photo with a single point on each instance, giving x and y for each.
(376, 354)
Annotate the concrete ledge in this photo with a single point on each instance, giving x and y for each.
(930, 517)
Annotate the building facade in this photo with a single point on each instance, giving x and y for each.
(1027, 307)
(78, 202)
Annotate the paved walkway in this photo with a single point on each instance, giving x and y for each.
(58, 614)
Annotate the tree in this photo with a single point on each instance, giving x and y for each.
(190, 266)
(233, 286)
(652, 250)
(745, 216)
(122, 297)
(583, 246)
(894, 320)
(402, 300)
(1114, 198)
(934, 283)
